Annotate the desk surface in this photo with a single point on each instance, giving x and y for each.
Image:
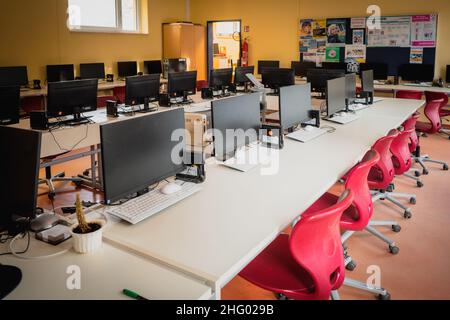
(218, 231)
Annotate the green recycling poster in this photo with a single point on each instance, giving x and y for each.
(332, 54)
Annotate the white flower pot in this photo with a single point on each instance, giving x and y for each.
(90, 242)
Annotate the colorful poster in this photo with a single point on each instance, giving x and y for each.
(416, 56)
(394, 32)
(320, 58)
(306, 31)
(320, 29)
(321, 45)
(333, 54)
(358, 37)
(336, 32)
(352, 65)
(358, 23)
(310, 57)
(356, 52)
(423, 31)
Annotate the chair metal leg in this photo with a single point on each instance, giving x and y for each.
(335, 295)
(346, 235)
(382, 293)
(407, 211)
(392, 247)
(418, 181)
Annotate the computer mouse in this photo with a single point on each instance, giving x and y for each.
(309, 128)
(170, 189)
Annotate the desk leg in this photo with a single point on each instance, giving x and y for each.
(99, 167)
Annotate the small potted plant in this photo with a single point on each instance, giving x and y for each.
(87, 237)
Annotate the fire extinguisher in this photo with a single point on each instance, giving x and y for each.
(244, 61)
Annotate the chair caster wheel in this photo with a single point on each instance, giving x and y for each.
(351, 266)
(86, 173)
(445, 168)
(417, 174)
(419, 184)
(407, 215)
(394, 250)
(78, 184)
(396, 228)
(391, 188)
(52, 195)
(425, 172)
(281, 297)
(384, 297)
(413, 200)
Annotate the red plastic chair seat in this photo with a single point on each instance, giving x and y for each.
(276, 270)
(424, 127)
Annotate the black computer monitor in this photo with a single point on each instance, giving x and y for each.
(72, 98)
(138, 153)
(174, 65)
(57, 73)
(182, 84)
(153, 67)
(127, 69)
(334, 66)
(350, 88)
(92, 71)
(276, 78)
(335, 96)
(13, 76)
(301, 68)
(295, 105)
(241, 115)
(262, 64)
(220, 78)
(20, 160)
(9, 105)
(380, 70)
(240, 75)
(447, 74)
(417, 72)
(319, 77)
(142, 89)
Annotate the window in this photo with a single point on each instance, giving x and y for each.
(104, 15)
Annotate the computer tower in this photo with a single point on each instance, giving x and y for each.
(38, 120)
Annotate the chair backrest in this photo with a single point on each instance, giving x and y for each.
(401, 155)
(432, 112)
(408, 94)
(357, 182)
(315, 244)
(382, 174)
(431, 96)
(410, 124)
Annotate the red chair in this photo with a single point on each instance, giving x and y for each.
(443, 111)
(119, 94)
(409, 94)
(401, 156)
(382, 175)
(202, 84)
(308, 264)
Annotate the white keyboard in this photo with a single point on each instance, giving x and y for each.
(147, 205)
(249, 158)
(375, 100)
(422, 84)
(305, 136)
(198, 107)
(358, 107)
(344, 119)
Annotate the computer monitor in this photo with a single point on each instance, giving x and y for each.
(417, 72)
(240, 75)
(447, 74)
(20, 160)
(57, 73)
(92, 71)
(148, 155)
(142, 89)
(335, 96)
(72, 98)
(301, 68)
(9, 105)
(380, 70)
(334, 66)
(240, 113)
(220, 78)
(319, 77)
(262, 64)
(367, 83)
(276, 78)
(174, 65)
(295, 105)
(182, 84)
(127, 69)
(350, 88)
(153, 67)
(13, 76)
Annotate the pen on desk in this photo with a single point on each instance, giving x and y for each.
(133, 295)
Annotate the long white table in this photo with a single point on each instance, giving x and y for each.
(215, 233)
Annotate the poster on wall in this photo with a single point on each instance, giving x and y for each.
(358, 23)
(358, 37)
(333, 54)
(320, 29)
(423, 30)
(416, 56)
(336, 32)
(394, 32)
(306, 31)
(356, 52)
(310, 57)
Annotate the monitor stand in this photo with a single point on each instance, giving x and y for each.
(147, 108)
(77, 120)
(10, 278)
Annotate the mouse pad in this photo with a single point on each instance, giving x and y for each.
(10, 278)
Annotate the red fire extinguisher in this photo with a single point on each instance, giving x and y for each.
(244, 61)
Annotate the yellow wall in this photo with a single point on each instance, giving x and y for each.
(34, 33)
(274, 23)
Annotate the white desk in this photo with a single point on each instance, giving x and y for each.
(390, 88)
(215, 233)
(103, 276)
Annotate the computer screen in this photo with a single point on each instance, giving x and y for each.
(301, 68)
(417, 72)
(174, 65)
(231, 114)
(350, 87)
(295, 105)
(240, 77)
(319, 77)
(127, 69)
(336, 95)
(57, 73)
(13, 76)
(137, 153)
(153, 67)
(276, 78)
(21, 153)
(267, 64)
(138, 88)
(180, 83)
(9, 105)
(380, 70)
(367, 81)
(92, 71)
(219, 78)
(71, 97)
(334, 66)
